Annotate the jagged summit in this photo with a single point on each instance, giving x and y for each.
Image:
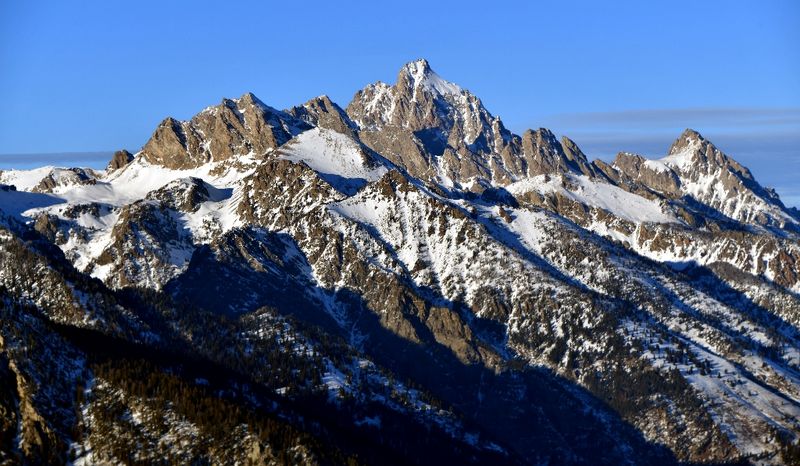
(418, 74)
(420, 65)
(683, 150)
(119, 160)
(542, 154)
(248, 98)
(716, 180)
(323, 112)
(691, 152)
(433, 128)
(692, 149)
(235, 127)
(419, 92)
(688, 137)
(441, 133)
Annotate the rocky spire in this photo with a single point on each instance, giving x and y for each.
(544, 154)
(420, 99)
(713, 178)
(689, 138)
(429, 125)
(692, 152)
(418, 76)
(119, 160)
(323, 112)
(234, 127)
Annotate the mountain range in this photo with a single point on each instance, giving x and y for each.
(401, 281)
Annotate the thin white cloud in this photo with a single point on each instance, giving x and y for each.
(71, 159)
(639, 118)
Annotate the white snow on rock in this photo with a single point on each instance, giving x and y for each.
(25, 180)
(428, 79)
(128, 184)
(596, 194)
(657, 166)
(338, 159)
(527, 224)
(111, 192)
(739, 204)
(135, 180)
(681, 160)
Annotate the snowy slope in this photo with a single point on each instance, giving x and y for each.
(14, 203)
(25, 180)
(587, 191)
(713, 179)
(339, 160)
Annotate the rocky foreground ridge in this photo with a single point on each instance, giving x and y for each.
(400, 281)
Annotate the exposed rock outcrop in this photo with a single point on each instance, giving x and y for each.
(235, 127)
(323, 112)
(635, 169)
(120, 159)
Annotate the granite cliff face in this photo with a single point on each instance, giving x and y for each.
(119, 160)
(401, 281)
(441, 131)
(234, 127)
(721, 183)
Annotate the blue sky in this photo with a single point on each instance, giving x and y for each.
(97, 76)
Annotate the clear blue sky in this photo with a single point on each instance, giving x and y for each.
(625, 75)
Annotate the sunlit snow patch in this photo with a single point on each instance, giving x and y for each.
(338, 159)
(605, 196)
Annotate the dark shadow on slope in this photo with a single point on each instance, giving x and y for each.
(691, 267)
(530, 411)
(250, 269)
(218, 194)
(346, 186)
(505, 236)
(14, 203)
(708, 281)
(705, 280)
(705, 211)
(795, 212)
(498, 196)
(433, 140)
(402, 439)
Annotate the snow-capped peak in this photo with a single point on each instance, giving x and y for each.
(249, 99)
(682, 151)
(421, 75)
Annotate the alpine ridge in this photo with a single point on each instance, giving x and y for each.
(399, 281)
